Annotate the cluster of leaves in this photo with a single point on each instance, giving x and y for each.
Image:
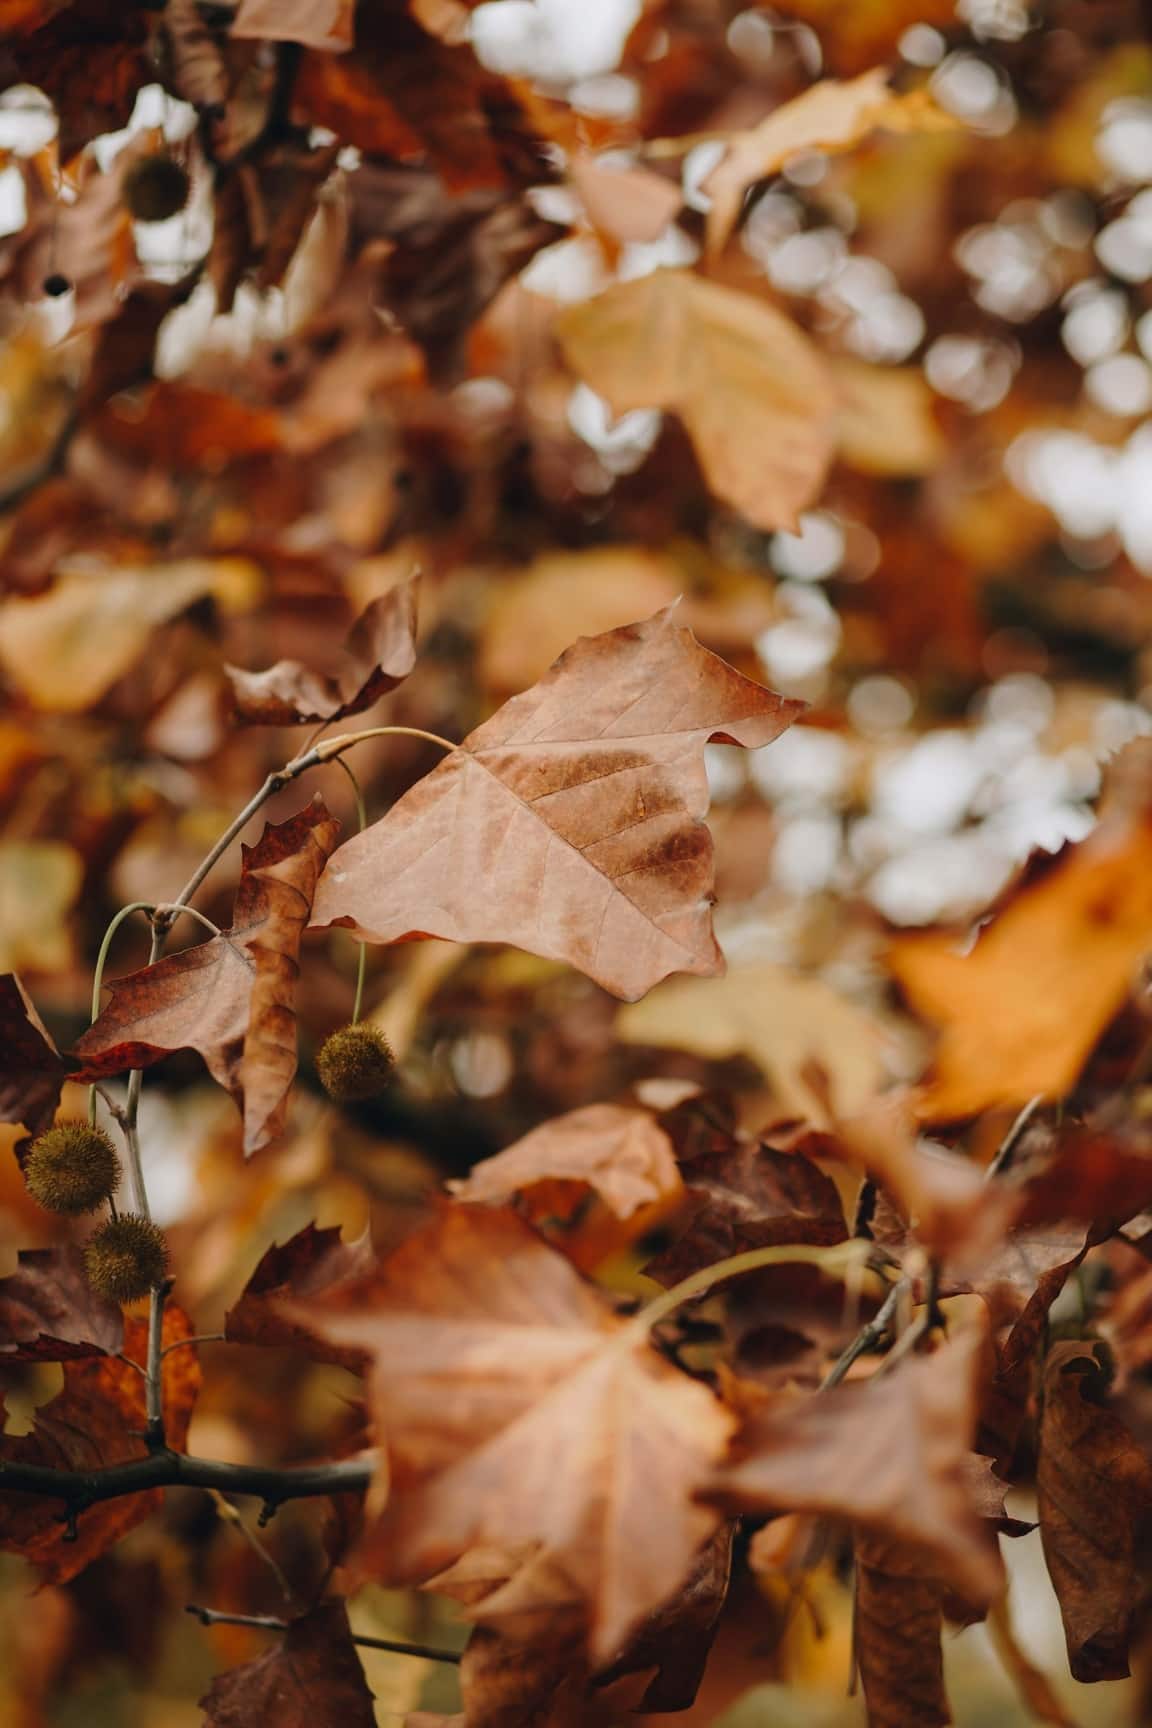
(648, 1327)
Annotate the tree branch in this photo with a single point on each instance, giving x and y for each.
(269, 1623)
(79, 1489)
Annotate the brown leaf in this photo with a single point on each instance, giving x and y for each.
(621, 1152)
(677, 1639)
(313, 1261)
(324, 24)
(899, 1622)
(97, 1420)
(31, 1068)
(199, 72)
(379, 652)
(562, 1427)
(50, 1313)
(750, 1196)
(830, 117)
(890, 1454)
(752, 391)
(232, 998)
(1094, 1491)
(312, 1678)
(627, 205)
(569, 823)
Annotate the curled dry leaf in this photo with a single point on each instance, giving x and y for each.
(31, 1068)
(314, 1261)
(379, 652)
(620, 1151)
(829, 117)
(97, 1420)
(50, 1313)
(753, 392)
(311, 1678)
(565, 1430)
(1094, 1491)
(890, 1454)
(232, 998)
(569, 823)
(899, 1622)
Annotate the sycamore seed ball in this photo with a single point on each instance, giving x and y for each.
(72, 1167)
(126, 1257)
(355, 1063)
(155, 188)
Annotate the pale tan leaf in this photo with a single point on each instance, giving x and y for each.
(621, 1152)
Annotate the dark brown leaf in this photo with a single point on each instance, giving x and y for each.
(31, 1068)
(314, 1261)
(899, 1622)
(311, 1678)
(50, 1313)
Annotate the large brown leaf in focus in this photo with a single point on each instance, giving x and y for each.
(569, 823)
(232, 998)
(311, 1678)
(752, 390)
(1094, 1491)
(97, 1420)
(50, 1313)
(890, 1454)
(750, 1196)
(379, 652)
(1019, 1014)
(899, 1625)
(620, 1151)
(517, 1410)
(829, 117)
(31, 1068)
(312, 1262)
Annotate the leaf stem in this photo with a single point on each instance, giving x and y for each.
(838, 1257)
(269, 1623)
(362, 820)
(98, 976)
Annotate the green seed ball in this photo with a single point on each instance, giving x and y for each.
(155, 188)
(72, 1168)
(126, 1258)
(355, 1063)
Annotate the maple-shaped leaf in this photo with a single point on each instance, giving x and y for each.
(311, 1678)
(379, 652)
(50, 1313)
(898, 1627)
(831, 116)
(889, 1454)
(746, 1195)
(752, 391)
(97, 1419)
(1094, 1493)
(619, 1150)
(312, 1262)
(232, 998)
(518, 1410)
(32, 1070)
(569, 823)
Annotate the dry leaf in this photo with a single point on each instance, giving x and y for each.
(379, 652)
(31, 1068)
(751, 389)
(311, 1678)
(569, 823)
(231, 998)
(886, 422)
(899, 1622)
(831, 116)
(39, 884)
(314, 1261)
(626, 205)
(621, 1152)
(325, 24)
(564, 1429)
(50, 1313)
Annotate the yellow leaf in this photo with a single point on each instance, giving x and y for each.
(886, 423)
(39, 882)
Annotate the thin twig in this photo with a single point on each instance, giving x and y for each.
(269, 1623)
(869, 1336)
(199, 1338)
(231, 1515)
(154, 1379)
(1011, 1140)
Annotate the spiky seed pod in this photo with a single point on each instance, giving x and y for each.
(155, 188)
(126, 1257)
(72, 1168)
(355, 1063)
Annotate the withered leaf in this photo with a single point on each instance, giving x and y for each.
(310, 1679)
(620, 1151)
(379, 652)
(50, 1313)
(325, 24)
(890, 1454)
(563, 1429)
(899, 1622)
(754, 394)
(747, 1195)
(231, 998)
(31, 1068)
(677, 1639)
(831, 116)
(1094, 1491)
(313, 1261)
(97, 1420)
(569, 823)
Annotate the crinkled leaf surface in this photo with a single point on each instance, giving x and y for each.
(620, 1151)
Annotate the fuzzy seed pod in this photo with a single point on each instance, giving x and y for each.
(355, 1063)
(126, 1257)
(155, 188)
(72, 1168)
